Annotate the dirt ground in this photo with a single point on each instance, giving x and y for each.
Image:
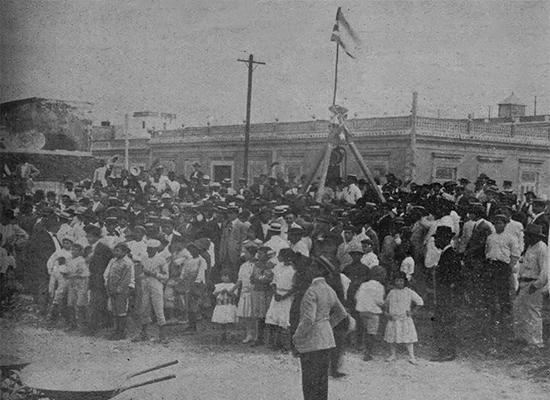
(207, 370)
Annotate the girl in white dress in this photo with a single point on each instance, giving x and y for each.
(244, 307)
(225, 312)
(399, 308)
(278, 314)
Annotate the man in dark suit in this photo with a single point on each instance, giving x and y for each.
(41, 246)
(320, 311)
(539, 215)
(475, 250)
(325, 242)
(260, 224)
(197, 173)
(98, 257)
(233, 234)
(448, 286)
(492, 204)
(210, 226)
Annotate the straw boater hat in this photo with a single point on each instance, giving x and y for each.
(275, 227)
(153, 244)
(135, 170)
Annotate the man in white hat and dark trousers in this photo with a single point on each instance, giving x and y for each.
(320, 311)
(502, 251)
(533, 281)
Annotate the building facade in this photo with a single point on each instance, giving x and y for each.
(419, 148)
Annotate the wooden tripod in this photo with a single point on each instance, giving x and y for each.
(339, 136)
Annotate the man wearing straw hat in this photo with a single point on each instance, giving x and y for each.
(533, 282)
(320, 311)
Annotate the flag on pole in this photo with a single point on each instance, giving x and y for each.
(344, 35)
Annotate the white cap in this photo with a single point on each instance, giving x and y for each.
(153, 243)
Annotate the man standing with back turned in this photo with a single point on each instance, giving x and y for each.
(320, 311)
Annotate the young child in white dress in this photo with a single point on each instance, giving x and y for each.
(278, 314)
(225, 312)
(244, 307)
(399, 306)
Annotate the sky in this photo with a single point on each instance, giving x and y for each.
(180, 56)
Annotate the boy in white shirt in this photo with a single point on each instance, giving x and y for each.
(77, 274)
(58, 285)
(370, 259)
(369, 302)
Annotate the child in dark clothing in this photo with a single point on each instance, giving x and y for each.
(117, 283)
(358, 273)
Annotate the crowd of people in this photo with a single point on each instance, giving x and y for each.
(170, 249)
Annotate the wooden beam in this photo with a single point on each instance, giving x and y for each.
(318, 162)
(366, 170)
(324, 170)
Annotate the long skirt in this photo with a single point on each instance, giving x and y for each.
(527, 314)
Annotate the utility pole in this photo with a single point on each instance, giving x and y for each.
(126, 144)
(535, 108)
(250, 63)
(413, 136)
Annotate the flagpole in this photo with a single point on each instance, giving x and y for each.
(336, 74)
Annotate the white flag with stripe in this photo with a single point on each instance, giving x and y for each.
(344, 35)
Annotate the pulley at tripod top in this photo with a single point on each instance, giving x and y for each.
(338, 110)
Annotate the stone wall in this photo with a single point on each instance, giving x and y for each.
(36, 123)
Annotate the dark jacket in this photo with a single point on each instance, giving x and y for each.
(39, 249)
(476, 245)
(98, 261)
(448, 272)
